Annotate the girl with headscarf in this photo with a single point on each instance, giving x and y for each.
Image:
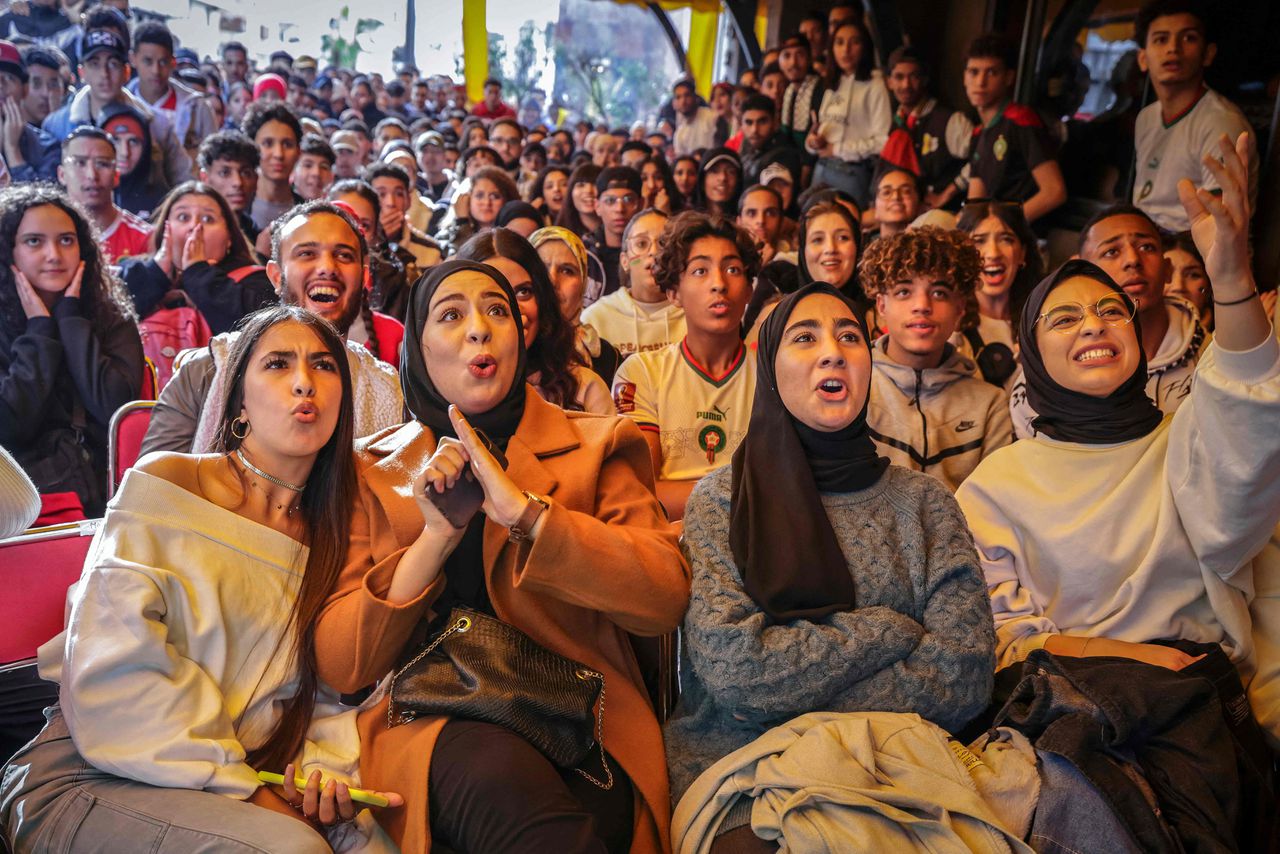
(567, 264)
(1116, 531)
(824, 579)
(570, 547)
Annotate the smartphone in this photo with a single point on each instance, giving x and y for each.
(358, 795)
(464, 499)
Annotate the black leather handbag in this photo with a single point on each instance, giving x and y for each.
(483, 669)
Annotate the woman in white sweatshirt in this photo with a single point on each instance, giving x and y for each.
(855, 116)
(1116, 530)
(188, 663)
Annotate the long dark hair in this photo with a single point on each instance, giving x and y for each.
(552, 355)
(1011, 214)
(668, 182)
(699, 202)
(866, 62)
(326, 511)
(103, 297)
(569, 218)
(238, 251)
(537, 192)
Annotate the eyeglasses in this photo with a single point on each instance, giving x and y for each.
(1113, 311)
(640, 244)
(901, 192)
(615, 201)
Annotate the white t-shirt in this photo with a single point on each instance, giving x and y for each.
(1168, 153)
(700, 419)
(635, 327)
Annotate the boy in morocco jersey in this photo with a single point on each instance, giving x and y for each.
(693, 398)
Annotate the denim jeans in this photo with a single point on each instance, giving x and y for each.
(52, 800)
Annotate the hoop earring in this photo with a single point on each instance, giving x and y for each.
(244, 422)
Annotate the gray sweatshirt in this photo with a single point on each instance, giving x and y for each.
(920, 639)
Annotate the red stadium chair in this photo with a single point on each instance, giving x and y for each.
(150, 380)
(125, 434)
(36, 568)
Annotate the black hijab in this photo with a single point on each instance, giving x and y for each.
(464, 568)
(421, 397)
(1071, 416)
(779, 533)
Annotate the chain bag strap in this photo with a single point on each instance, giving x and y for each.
(482, 668)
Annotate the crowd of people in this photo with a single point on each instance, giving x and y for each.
(964, 553)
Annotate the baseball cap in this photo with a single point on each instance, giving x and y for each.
(619, 178)
(345, 140)
(97, 41)
(304, 63)
(323, 81)
(11, 60)
(776, 171)
(722, 157)
(185, 57)
(430, 137)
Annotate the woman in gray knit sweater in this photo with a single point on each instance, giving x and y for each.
(823, 578)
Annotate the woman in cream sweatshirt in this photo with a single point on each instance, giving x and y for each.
(188, 665)
(1115, 527)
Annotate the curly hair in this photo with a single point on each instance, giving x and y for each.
(102, 295)
(940, 254)
(685, 229)
(553, 354)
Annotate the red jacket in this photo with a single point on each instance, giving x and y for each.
(389, 333)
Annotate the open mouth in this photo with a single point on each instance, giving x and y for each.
(324, 294)
(832, 390)
(994, 273)
(483, 366)
(719, 309)
(1095, 354)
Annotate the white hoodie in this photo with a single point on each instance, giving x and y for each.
(635, 327)
(1170, 371)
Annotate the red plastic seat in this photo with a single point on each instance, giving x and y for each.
(36, 568)
(150, 380)
(125, 434)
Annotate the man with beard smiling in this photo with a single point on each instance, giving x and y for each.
(1126, 243)
(318, 261)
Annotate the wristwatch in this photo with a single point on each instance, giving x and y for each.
(523, 527)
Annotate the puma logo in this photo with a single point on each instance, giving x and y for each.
(965, 425)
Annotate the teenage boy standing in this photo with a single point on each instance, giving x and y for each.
(104, 68)
(1012, 156)
(804, 91)
(928, 139)
(928, 410)
(692, 400)
(153, 63)
(1173, 134)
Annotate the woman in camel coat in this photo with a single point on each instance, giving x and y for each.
(600, 562)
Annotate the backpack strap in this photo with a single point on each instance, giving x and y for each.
(239, 274)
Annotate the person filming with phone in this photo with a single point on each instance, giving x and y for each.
(555, 556)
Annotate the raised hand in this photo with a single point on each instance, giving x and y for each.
(27, 296)
(194, 249)
(1220, 223)
(504, 502)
